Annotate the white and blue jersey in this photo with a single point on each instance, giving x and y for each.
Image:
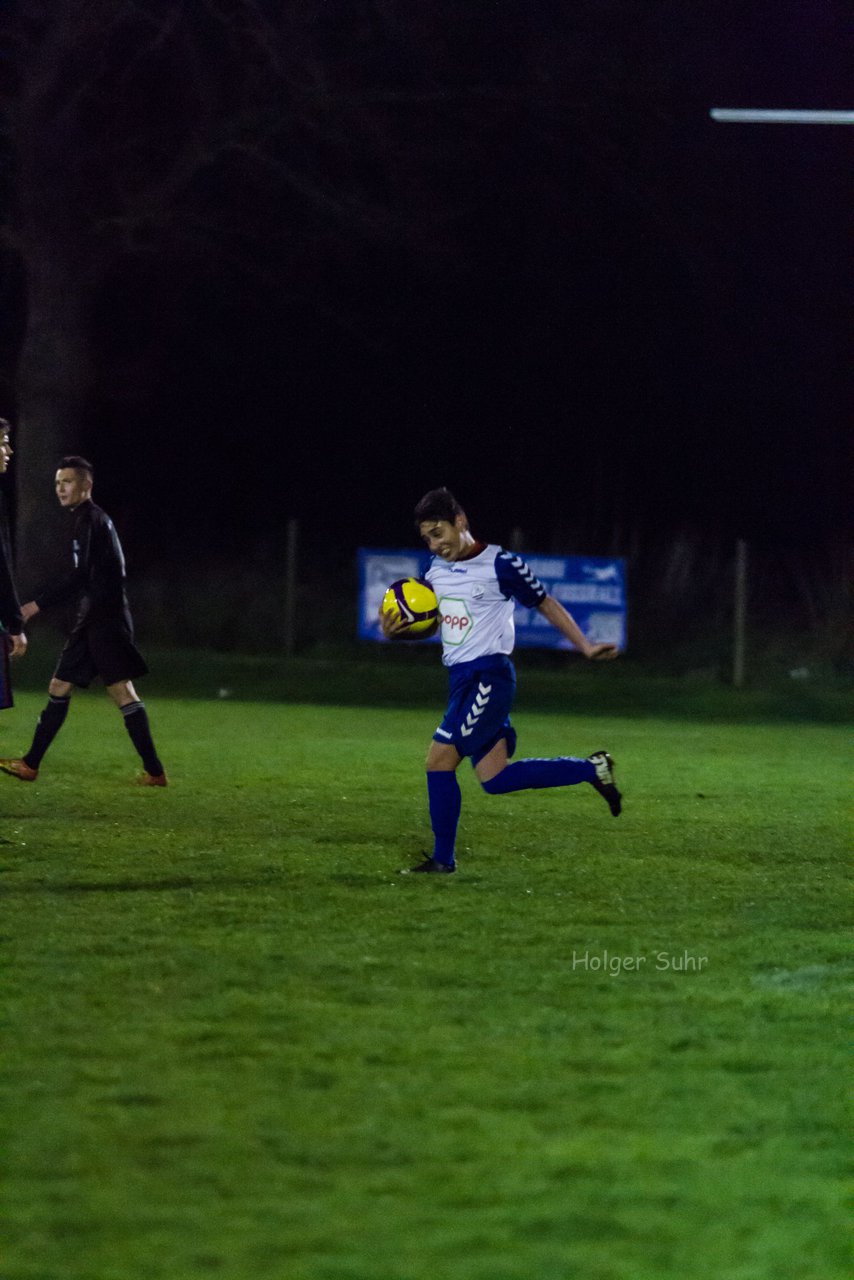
(476, 602)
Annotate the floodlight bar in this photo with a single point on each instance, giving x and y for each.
(762, 115)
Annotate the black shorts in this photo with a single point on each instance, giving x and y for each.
(104, 650)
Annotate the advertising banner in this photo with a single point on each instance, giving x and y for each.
(591, 588)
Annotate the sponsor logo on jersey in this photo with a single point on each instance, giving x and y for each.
(457, 622)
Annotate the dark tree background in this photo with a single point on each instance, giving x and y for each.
(268, 260)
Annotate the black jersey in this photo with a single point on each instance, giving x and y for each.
(97, 576)
(10, 609)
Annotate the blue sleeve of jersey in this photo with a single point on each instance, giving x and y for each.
(517, 582)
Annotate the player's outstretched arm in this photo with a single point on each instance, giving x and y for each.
(554, 612)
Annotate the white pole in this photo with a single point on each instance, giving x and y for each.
(291, 586)
(764, 115)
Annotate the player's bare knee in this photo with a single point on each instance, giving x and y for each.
(441, 758)
(122, 693)
(59, 688)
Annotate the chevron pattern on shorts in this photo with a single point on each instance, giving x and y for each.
(476, 710)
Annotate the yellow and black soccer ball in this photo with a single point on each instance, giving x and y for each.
(414, 600)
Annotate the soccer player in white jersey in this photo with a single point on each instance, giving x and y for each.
(477, 584)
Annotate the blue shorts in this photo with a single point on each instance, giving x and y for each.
(478, 712)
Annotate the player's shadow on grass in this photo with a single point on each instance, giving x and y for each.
(166, 885)
(369, 880)
(174, 884)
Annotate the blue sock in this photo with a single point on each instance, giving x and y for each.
(445, 800)
(524, 775)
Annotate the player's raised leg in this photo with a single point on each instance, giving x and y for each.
(498, 777)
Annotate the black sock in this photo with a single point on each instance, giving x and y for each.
(49, 724)
(136, 723)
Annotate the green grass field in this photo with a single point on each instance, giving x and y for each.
(239, 1045)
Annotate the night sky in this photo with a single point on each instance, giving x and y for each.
(554, 285)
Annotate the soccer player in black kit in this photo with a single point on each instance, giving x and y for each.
(101, 640)
(12, 638)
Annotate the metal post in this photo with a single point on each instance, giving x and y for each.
(739, 613)
(291, 587)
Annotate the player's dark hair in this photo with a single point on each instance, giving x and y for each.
(73, 462)
(438, 504)
(5, 427)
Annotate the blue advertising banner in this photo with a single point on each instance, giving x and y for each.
(592, 588)
(377, 571)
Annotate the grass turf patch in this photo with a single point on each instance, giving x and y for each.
(238, 1044)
